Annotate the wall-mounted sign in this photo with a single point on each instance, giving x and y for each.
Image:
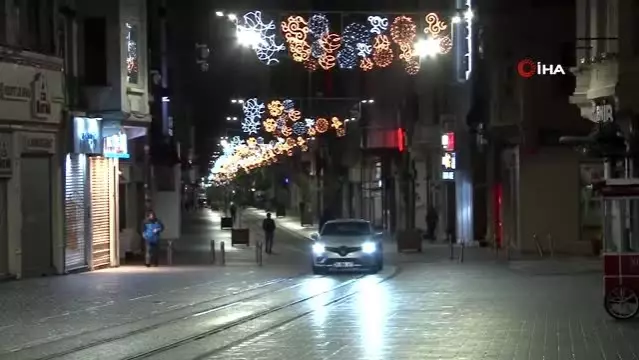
(448, 166)
(115, 140)
(448, 141)
(603, 111)
(38, 143)
(6, 168)
(41, 97)
(87, 136)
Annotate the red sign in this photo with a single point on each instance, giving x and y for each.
(448, 141)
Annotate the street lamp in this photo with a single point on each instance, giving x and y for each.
(231, 118)
(237, 101)
(232, 17)
(427, 47)
(368, 101)
(219, 13)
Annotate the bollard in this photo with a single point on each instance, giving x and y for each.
(222, 254)
(540, 250)
(258, 253)
(461, 254)
(496, 246)
(169, 253)
(551, 245)
(212, 251)
(507, 244)
(452, 248)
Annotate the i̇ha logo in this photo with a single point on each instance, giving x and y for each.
(527, 68)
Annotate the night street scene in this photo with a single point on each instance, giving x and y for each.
(321, 180)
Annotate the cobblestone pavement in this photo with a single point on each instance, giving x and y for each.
(40, 310)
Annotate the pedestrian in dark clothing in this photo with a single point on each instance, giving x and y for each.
(431, 222)
(152, 227)
(327, 215)
(268, 225)
(233, 210)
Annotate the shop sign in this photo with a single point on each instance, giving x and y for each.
(448, 141)
(603, 112)
(87, 136)
(41, 98)
(14, 92)
(115, 140)
(448, 166)
(38, 143)
(6, 169)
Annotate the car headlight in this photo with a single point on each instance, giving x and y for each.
(318, 248)
(369, 247)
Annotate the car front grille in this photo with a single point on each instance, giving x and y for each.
(344, 250)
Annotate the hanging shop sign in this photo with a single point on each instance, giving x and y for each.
(6, 168)
(38, 143)
(114, 140)
(448, 166)
(448, 141)
(603, 110)
(87, 136)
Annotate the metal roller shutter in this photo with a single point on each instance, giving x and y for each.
(100, 213)
(75, 213)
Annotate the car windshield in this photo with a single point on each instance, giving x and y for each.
(353, 228)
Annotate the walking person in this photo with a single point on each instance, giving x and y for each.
(431, 222)
(268, 225)
(152, 227)
(233, 210)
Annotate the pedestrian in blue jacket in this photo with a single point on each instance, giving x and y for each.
(151, 230)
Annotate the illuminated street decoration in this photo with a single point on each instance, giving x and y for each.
(253, 110)
(295, 30)
(132, 56)
(378, 24)
(355, 41)
(448, 158)
(382, 52)
(403, 32)
(438, 30)
(330, 44)
(252, 32)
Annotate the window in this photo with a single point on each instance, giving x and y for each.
(132, 54)
(353, 228)
(95, 51)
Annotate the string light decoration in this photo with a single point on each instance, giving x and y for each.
(437, 29)
(295, 30)
(275, 108)
(347, 58)
(269, 125)
(310, 64)
(322, 125)
(311, 131)
(366, 64)
(378, 24)
(340, 132)
(309, 122)
(251, 142)
(260, 37)
(330, 43)
(318, 25)
(287, 131)
(251, 126)
(299, 128)
(294, 115)
(288, 105)
(382, 52)
(336, 123)
(253, 109)
(355, 33)
(403, 32)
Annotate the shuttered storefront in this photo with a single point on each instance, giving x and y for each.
(75, 213)
(101, 229)
(4, 238)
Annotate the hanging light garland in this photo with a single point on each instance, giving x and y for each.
(403, 32)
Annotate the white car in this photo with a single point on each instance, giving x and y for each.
(347, 244)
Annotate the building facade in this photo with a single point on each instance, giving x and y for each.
(108, 124)
(533, 181)
(32, 110)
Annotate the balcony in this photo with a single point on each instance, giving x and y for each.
(593, 81)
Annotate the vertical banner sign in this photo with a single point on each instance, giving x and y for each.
(6, 169)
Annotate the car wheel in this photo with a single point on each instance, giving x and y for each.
(318, 270)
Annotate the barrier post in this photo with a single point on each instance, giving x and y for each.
(169, 253)
(507, 242)
(222, 254)
(496, 247)
(461, 254)
(540, 250)
(258, 253)
(551, 245)
(212, 251)
(452, 248)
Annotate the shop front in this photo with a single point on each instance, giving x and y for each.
(91, 195)
(31, 99)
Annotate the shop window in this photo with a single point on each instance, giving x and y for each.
(95, 51)
(132, 53)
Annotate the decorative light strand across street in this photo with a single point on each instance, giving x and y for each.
(365, 45)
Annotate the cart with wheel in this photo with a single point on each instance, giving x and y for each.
(620, 200)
